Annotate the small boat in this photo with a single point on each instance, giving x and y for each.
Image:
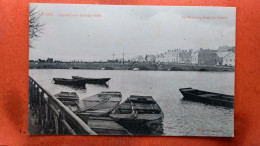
(100, 104)
(92, 80)
(136, 69)
(208, 97)
(73, 82)
(69, 99)
(139, 112)
(106, 126)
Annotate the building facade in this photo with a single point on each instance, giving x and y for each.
(176, 56)
(204, 57)
(185, 56)
(229, 59)
(195, 57)
(222, 52)
(199, 57)
(50, 60)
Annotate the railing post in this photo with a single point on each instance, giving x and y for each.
(38, 105)
(42, 110)
(30, 92)
(46, 119)
(51, 114)
(50, 119)
(62, 117)
(56, 122)
(35, 98)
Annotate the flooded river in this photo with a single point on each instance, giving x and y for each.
(181, 118)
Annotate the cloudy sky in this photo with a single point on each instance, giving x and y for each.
(138, 30)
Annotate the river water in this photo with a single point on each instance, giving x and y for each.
(181, 118)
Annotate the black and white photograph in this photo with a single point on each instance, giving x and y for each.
(131, 70)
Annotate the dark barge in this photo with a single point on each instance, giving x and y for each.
(92, 80)
(211, 98)
(71, 82)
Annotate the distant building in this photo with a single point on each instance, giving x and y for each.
(139, 58)
(222, 52)
(160, 58)
(150, 58)
(57, 61)
(177, 56)
(172, 55)
(49, 60)
(41, 61)
(112, 60)
(195, 57)
(229, 59)
(226, 49)
(204, 57)
(185, 56)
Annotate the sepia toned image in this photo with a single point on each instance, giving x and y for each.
(131, 70)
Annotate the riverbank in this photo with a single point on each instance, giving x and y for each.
(128, 66)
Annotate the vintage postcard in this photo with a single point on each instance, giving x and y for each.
(131, 70)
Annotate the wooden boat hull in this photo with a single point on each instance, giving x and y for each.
(139, 113)
(92, 80)
(141, 118)
(106, 126)
(142, 124)
(208, 97)
(143, 127)
(72, 82)
(100, 104)
(69, 99)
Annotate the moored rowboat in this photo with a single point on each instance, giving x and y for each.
(72, 82)
(92, 80)
(69, 99)
(100, 104)
(208, 97)
(141, 112)
(101, 125)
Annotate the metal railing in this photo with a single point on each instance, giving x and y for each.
(52, 116)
